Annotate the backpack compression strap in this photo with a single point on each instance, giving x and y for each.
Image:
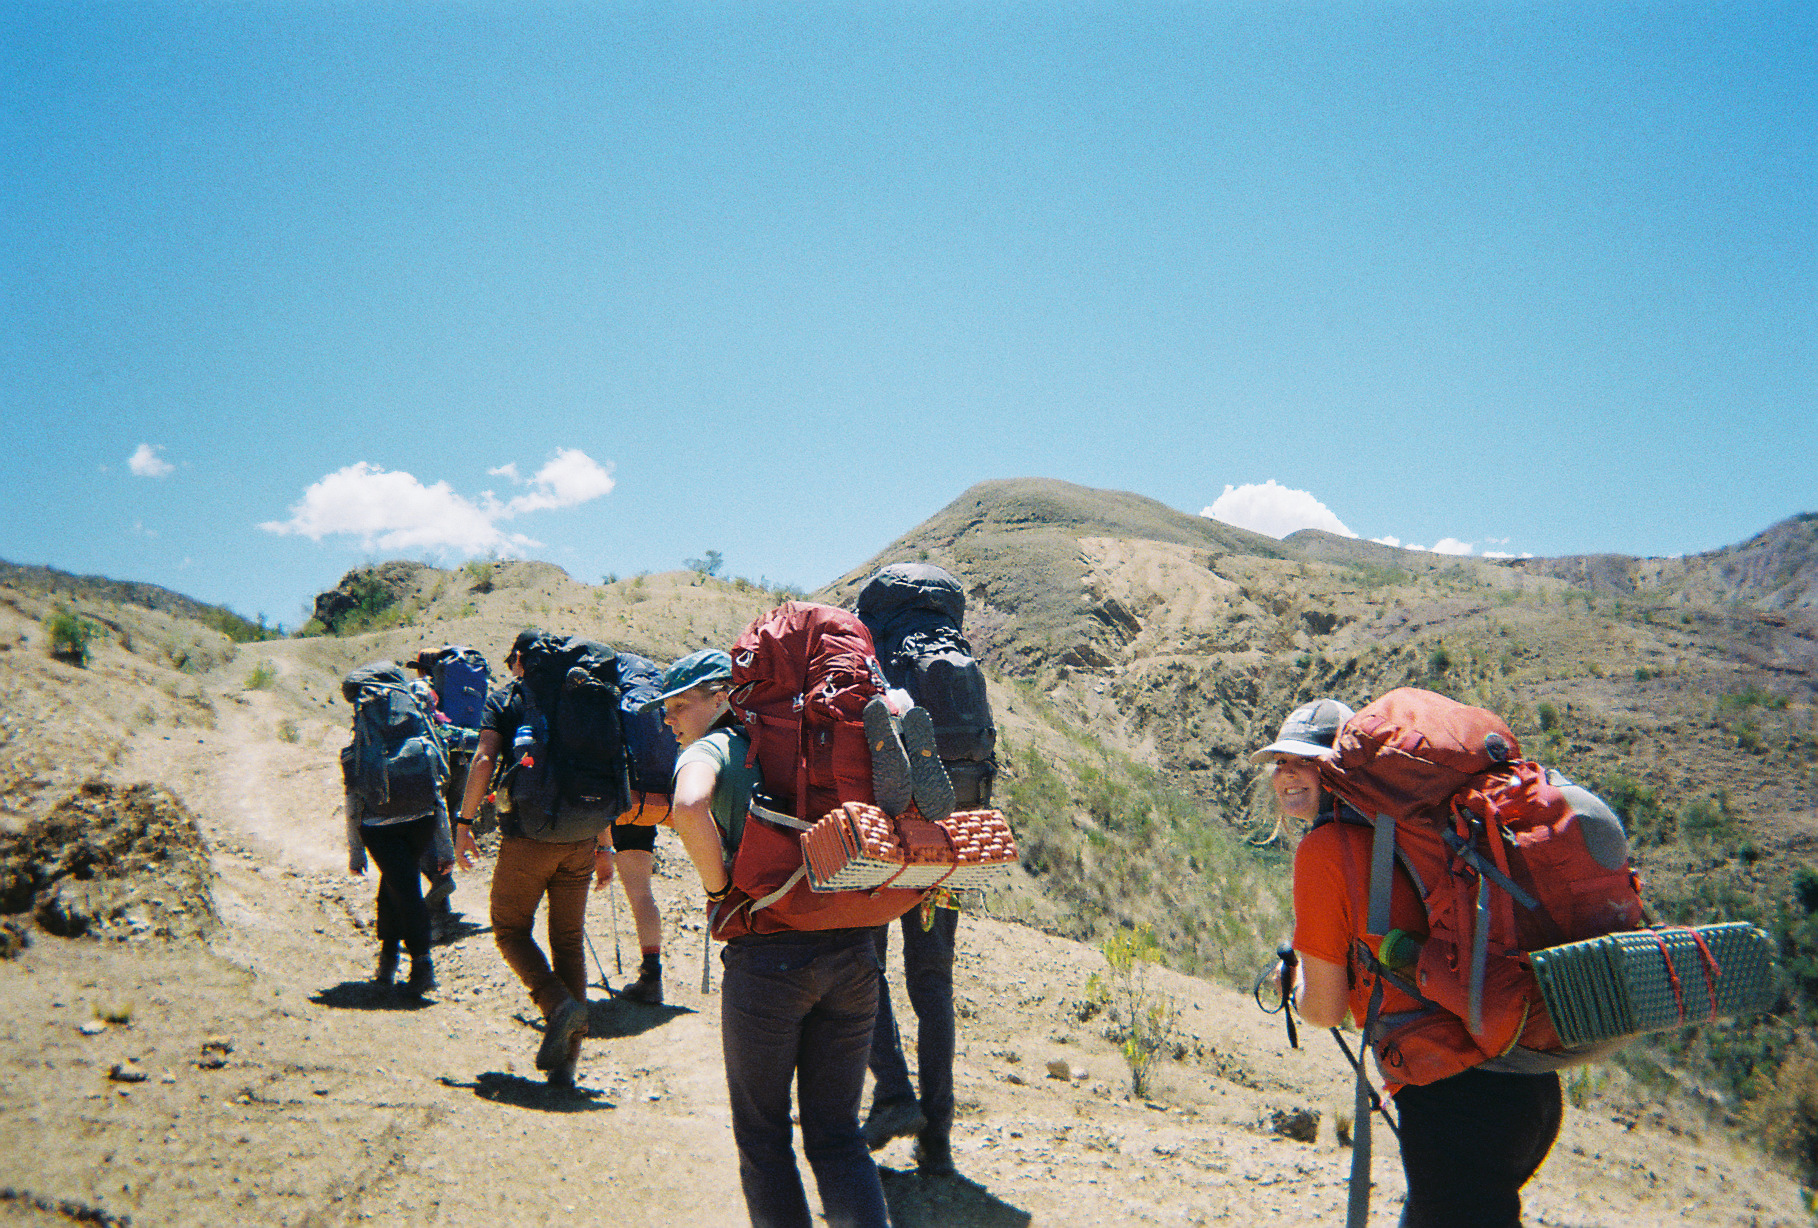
(1382, 876)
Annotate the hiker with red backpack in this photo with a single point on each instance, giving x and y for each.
(796, 1005)
(1437, 861)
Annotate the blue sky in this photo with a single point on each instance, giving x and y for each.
(783, 280)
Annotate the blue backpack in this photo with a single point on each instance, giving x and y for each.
(461, 678)
(650, 745)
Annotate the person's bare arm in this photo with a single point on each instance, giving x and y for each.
(479, 775)
(1324, 998)
(691, 817)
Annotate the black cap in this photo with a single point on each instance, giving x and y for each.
(526, 638)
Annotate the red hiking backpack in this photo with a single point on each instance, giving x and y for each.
(1508, 856)
(801, 676)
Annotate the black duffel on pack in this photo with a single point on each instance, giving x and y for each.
(567, 775)
(914, 612)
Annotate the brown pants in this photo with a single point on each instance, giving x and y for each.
(526, 871)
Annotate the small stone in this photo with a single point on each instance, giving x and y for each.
(1301, 1125)
(1059, 1068)
(94, 1027)
(1079, 1073)
(126, 1072)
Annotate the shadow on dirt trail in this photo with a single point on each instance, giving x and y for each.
(368, 996)
(522, 1093)
(610, 1018)
(946, 1202)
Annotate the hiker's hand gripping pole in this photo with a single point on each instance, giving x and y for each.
(1281, 974)
(1289, 960)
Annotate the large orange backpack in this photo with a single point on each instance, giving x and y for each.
(1509, 858)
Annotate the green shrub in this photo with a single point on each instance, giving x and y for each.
(262, 676)
(70, 636)
(287, 731)
(1438, 662)
(1549, 716)
(1143, 1020)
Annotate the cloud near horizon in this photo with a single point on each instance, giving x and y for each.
(392, 510)
(146, 463)
(1276, 511)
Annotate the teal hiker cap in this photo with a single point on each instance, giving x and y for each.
(707, 665)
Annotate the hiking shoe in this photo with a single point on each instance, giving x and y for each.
(566, 1025)
(422, 976)
(647, 989)
(436, 898)
(890, 766)
(562, 1074)
(890, 1119)
(387, 971)
(934, 1156)
(928, 776)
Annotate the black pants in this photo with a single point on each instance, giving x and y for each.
(1468, 1143)
(397, 849)
(928, 976)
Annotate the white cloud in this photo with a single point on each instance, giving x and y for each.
(1389, 541)
(1451, 545)
(570, 478)
(392, 510)
(1274, 510)
(146, 463)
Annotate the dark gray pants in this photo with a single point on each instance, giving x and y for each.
(797, 1009)
(928, 977)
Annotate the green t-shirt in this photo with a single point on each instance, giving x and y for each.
(725, 750)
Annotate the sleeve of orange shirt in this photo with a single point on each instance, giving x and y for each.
(1323, 925)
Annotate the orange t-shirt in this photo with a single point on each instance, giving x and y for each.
(1332, 907)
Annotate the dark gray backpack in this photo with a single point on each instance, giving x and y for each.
(914, 612)
(396, 763)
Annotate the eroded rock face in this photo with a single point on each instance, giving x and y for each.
(367, 589)
(111, 861)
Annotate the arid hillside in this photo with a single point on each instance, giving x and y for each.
(1136, 654)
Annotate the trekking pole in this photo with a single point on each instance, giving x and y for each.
(612, 910)
(604, 982)
(1376, 1104)
(1289, 960)
(1285, 955)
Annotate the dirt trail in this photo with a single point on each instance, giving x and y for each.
(339, 1105)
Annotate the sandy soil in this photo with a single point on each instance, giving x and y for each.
(280, 1088)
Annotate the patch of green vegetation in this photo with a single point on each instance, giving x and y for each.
(1752, 696)
(288, 731)
(1548, 716)
(262, 676)
(1368, 576)
(237, 629)
(1117, 844)
(70, 635)
(1438, 661)
(1143, 1020)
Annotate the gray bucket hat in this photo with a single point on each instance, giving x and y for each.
(1308, 732)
